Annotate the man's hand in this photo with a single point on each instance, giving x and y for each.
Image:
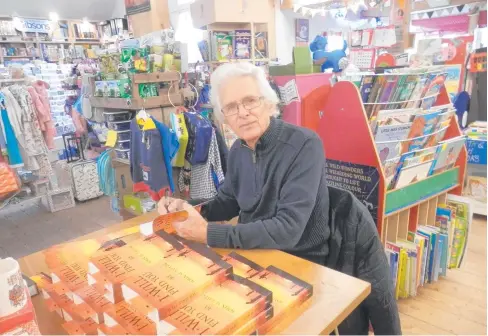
(167, 205)
(194, 227)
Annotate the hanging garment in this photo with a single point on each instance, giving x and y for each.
(170, 148)
(223, 149)
(179, 127)
(86, 108)
(14, 157)
(206, 178)
(35, 145)
(14, 112)
(3, 143)
(41, 102)
(147, 164)
(199, 137)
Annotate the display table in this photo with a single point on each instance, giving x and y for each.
(335, 295)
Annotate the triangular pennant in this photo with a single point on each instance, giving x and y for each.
(466, 8)
(434, 14)
(429, 14)
(415, 16)
(445, 12)
(450, 10)
(460, 8)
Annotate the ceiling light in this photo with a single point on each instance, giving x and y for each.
(53, 16)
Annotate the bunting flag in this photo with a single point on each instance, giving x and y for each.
(460, 8)
(429, 14)
(471, 8)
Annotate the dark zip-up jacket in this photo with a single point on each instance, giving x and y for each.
(280, 194)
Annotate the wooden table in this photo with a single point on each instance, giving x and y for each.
(335, 295)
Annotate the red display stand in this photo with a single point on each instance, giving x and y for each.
(353, 164)
(304, 85)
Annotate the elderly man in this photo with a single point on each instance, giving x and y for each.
(276, 185)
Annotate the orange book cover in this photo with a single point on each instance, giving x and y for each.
(161, 290)
(88, 298)
(242, 266)
(289, 292)
(116, 330)
(251, 327)
(88, 327)
(165, 222)
(130, 319)
(221, 309)
(116, 264)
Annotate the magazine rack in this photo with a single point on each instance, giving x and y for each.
(353, 164)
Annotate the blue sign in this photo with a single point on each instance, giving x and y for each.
(32, 25)
(476, 151)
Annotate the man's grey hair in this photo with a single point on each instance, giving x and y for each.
(229, 70)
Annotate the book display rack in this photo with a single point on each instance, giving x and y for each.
(401, 155)
(146, 281)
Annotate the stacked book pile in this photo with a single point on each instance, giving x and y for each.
(147, 281)
(435, 247)
(477, 130)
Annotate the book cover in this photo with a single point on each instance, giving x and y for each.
(396, 249)
(447, 154)
(88, 298)
(434, 88)
(430, 258)
(390, 168)
(366, 86)
(417, 92)
(396, 117)
(131, 320)
(434, 257)
(288, 291)
(407, 90)
(435, 138)
(420, 241)
(384, 95)
(412, 174)
(160, 291)
(422, 127)
(444, 247)
(117, 262)
(388, 140)
(412, 252)
(397, 89)
(221, 309)
(224, 44)
(252, 327)
(402, 276)
(242, 44)
(373, 96)
(392, 257)
(426, 256)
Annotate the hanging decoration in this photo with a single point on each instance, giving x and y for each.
(337, 9)
(470, 9)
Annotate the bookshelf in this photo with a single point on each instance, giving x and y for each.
(395, 211)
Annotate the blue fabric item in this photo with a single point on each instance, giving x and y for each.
(147, 162)
(199, 137)
(77, 106)
(14, 157)
(3, 144)
(170, 148)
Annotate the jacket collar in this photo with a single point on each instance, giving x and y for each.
(270, 136)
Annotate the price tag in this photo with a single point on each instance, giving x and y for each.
(111, 138)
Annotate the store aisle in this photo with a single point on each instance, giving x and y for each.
(29, 228)
(457, 303)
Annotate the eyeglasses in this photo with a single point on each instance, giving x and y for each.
(248, 103)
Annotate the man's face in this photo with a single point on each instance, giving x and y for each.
(244, 109)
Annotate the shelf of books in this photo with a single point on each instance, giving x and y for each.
(396, 145)
(146, 280)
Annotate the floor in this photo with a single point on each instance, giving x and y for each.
(454, 305)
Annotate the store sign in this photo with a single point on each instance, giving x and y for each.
(362, 181)
(32, 25)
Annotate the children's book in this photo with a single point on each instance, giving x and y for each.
(432, 248)
(366, 86)
(426, 256)
(435, 86)
(242, 44)
(413, 174)
(390, 168)
(396, 117)
(403, 273)
(420, 241)
(406, 90)
(393, 249)
(412, 251)
(388, 140)
(447, 154)
(462, 222)
(434, 267)
(417, 92)
(422, 127)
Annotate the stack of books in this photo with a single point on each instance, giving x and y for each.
(146, 283)
(430, 251)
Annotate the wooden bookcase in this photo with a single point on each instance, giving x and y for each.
(349, 142)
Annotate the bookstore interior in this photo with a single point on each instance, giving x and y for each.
(112, 141)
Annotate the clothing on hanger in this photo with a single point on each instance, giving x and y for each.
(170, 148)
(35, 144)
(178, 125)
(223, 149)
(205, 178)
(10, 141)
(41, 102)
(147, 163)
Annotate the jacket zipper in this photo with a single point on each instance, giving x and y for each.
(254, 161)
